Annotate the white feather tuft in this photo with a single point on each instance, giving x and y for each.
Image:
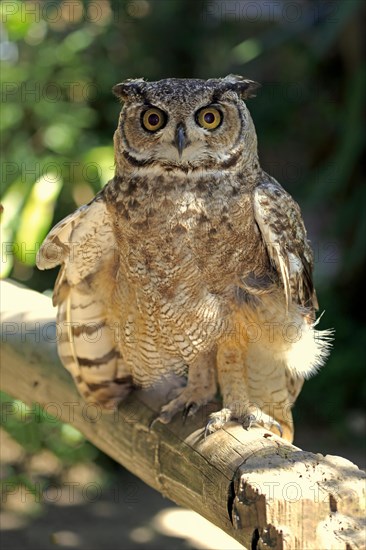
(309, 353)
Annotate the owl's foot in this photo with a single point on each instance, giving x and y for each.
(200, 389)
(188, 399)
(255, 416)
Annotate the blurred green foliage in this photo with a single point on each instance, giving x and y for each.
(36, 429)
(59, 63)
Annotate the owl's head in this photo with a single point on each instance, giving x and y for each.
(186, 124)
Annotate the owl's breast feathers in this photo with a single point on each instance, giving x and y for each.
(166, 224)
(165, 263)
(180, 254)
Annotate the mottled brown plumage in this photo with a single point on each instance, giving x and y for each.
(190, 260)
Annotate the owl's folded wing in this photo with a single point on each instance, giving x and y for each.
(84, 244)
(279, 220)
(80, 242)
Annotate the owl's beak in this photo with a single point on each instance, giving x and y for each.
(180, 139)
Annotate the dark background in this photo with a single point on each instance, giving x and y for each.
(59, 63)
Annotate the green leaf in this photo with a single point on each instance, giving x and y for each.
(12, 202)
(99, 164)
(37, 217)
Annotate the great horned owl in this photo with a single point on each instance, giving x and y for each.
(191, 260)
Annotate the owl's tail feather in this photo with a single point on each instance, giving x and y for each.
(88, 347)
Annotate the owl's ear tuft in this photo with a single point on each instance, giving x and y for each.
(130, 88)
(243, 87)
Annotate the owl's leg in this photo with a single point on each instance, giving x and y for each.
(200, 389)
(234, 383)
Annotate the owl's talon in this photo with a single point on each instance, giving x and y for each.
(218, 421)
(248, 421)
(278, 427)
(189, 410)
(153, 422)
(261, 419)
(220, 418)
(165, 417)
(207, 428)
(185, 413)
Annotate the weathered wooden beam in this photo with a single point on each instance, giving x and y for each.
(261, 490)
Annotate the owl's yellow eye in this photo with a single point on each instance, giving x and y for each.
(209, 118)
(153, 119)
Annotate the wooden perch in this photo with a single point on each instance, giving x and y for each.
(261, 490)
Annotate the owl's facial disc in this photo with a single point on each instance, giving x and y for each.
(185, 124)
(191, 135)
